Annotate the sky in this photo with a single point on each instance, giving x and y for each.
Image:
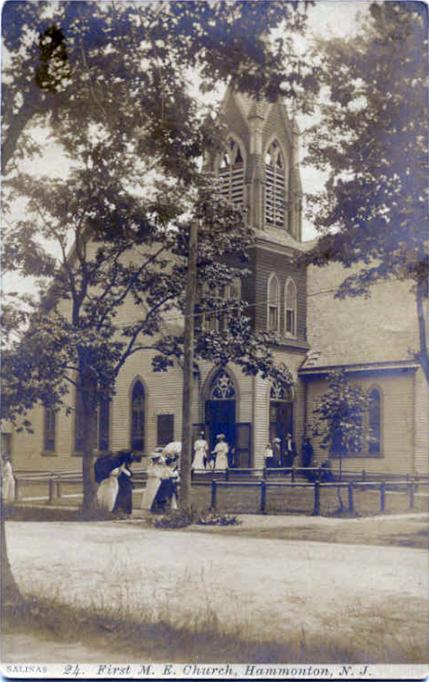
(328, 18)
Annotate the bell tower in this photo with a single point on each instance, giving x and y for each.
(260, 166)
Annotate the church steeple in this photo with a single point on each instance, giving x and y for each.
(260, 168)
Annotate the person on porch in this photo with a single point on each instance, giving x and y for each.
(290, 451)
(269, 456)
(220, 453)
(277, 453)
(200, 453)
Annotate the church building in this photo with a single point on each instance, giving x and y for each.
(375, 340)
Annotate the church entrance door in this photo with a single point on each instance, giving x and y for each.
(220, 412)
(220, 418)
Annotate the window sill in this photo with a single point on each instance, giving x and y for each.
(291, 341)
(359, 455)
(49, 453)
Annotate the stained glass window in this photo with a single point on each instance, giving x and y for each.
(223, 388)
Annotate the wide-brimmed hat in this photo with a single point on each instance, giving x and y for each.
(156, 454)
(220, 435)
(277, 440)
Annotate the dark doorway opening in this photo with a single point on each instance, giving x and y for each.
(220, 418)
(281, 420)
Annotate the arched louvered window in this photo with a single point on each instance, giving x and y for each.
(231, 172)
(290, 308)
(273, 307)
(49, 435)
(275, 186)
(137, 417)
(374, 422)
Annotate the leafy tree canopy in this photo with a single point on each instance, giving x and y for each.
(338, 418)
(372, 142)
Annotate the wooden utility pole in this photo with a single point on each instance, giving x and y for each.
(188, 366)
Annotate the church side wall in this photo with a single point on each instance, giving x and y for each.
(397, 424)
(421, 423)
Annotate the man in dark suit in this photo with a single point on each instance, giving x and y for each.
(290, 451)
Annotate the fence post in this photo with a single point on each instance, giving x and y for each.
(292, 474)
(263, 496)
(264, 474)
(382, 496)
(51, 490)
(411, 494)
(59, 489)
(17, 489)
(226, 474)
(213, 494)
(350, 496)
(316, 510)
(363, 475)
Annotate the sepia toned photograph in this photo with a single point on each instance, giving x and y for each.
(214, 349)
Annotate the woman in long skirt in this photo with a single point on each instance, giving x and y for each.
(221, 453)
(8, 481)
(156, 472)
(108, 490)
(200, 449)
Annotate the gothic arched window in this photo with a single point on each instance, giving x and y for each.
(231, 172)
(374, 421)
(49, 434)
(222, 387)
(273, 304)
(137, 417)
(290, 308)
(275, 186)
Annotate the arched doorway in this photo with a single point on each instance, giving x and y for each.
(220, 409)
(281, 413)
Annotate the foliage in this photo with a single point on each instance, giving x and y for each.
(213, 518)
(338, 421)
(372, 141)
(180, 518)
(127, 66)
(111, 84)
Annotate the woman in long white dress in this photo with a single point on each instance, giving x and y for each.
(221, 453)
(8, 481)
(108, 490)
(200, 452)
(156, 472)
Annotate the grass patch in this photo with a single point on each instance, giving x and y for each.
(24, 513)
(200, 641)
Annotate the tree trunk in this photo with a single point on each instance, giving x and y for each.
(422, 321)
(9, 593)
(188, 365)
(89, 424)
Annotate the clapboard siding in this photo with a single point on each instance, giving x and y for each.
(266, 262)
(397, 424)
